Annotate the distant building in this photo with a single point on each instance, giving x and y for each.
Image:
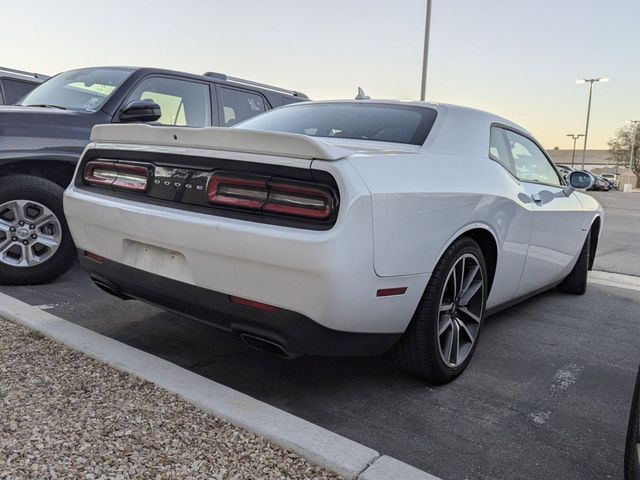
(596, 161)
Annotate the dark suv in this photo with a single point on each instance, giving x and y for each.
(41, 140)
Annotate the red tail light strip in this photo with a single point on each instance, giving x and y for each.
(299, 200)
(118, 175)
(258, 193)
(100, 173)
(237, 192)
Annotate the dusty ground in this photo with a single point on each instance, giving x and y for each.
(64, 415)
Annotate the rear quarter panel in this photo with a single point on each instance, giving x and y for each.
(422, 202)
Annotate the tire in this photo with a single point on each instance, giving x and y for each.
(631, 461)
(576, 281)
(49, 250)
(423, 351)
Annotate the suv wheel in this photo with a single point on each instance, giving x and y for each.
(35, 243)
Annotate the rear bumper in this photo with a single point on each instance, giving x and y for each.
(292, 332)
(325, 276)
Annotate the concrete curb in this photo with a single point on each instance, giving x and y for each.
(628, 282)
(320, 446)
(386, 468)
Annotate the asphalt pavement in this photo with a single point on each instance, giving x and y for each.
(547, 394)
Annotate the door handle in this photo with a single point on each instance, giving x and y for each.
(536, 198)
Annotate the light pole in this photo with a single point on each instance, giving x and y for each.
(590, 81)
(425, 52)
(628, 187)
(575, 137)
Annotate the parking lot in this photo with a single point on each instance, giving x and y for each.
(546, 396)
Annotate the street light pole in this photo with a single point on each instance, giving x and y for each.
(575, 137)
(425, 52)
(590, 81)
(633, 147)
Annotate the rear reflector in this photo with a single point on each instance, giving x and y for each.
(94, 257)
(297, 199)
(123, 176)
(250, 303)
(389, 292)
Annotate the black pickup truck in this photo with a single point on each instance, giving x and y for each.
(41, 140)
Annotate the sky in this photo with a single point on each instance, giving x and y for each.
(515, 58)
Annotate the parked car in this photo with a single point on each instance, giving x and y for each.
(41, 141)
(564, 170)
(612, 178)
(599, 184)
(335, 228)
(632, 450)
(15, 84)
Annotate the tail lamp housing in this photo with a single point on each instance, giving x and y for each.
(123, 176)
(272, 195)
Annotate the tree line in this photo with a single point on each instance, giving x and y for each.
(620, 149)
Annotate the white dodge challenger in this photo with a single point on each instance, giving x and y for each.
(335, 228)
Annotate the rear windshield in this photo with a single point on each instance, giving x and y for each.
(380, 122)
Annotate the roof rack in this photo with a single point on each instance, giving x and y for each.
(222, 76)
(22, 72)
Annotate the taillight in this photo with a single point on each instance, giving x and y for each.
(100, 173)
(298, 199)
(237, 191)
(301, 201)
(124, 176)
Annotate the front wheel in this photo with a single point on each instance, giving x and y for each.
(445, 328)
(35, 242)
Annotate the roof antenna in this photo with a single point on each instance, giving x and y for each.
(361, 95)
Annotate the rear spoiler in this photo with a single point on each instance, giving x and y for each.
(219, 138)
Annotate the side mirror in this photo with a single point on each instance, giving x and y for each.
(140, 111)
(581, 180)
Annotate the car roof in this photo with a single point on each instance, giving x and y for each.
(277, 96)
(31, 77)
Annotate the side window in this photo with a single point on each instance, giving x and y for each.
(498, 150)
(182, 103)
(238, 105)
(530, 163)
(14, 90)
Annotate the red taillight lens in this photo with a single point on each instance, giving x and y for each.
(238, 191)
(118, 175)
(131, 177)
(259, 193)
(100, 173)
(301, 201)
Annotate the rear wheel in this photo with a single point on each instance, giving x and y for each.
(35, 243)
(445, 328)
(576, 281)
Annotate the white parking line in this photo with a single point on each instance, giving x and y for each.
(617, 280)
(318, 445)
(49, 306)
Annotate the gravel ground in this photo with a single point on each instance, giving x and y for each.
(64, 415)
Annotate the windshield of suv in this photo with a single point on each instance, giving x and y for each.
(85, 89)
(382, 122)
